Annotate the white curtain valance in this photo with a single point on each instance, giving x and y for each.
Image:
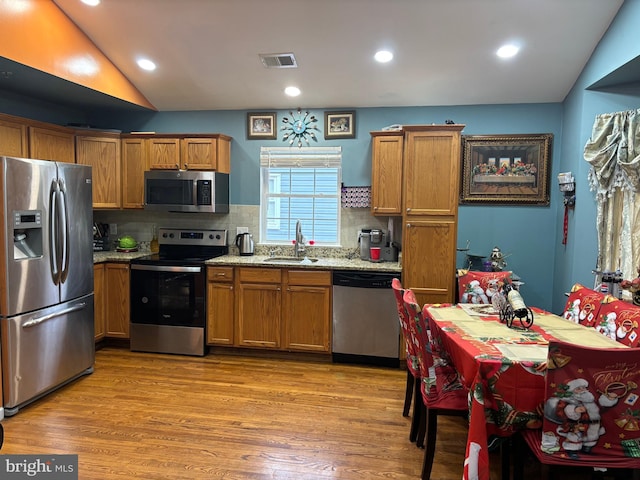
(301, 157)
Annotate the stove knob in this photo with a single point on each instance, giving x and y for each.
(211, 236)
(164, 235)
(171, 235)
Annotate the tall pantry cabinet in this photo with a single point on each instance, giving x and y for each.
(430, 186)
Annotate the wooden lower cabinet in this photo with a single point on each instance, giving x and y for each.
(269, 308)
(116, 296)
(220, 306)
(307, 311)
(259, 301)
(98, 302)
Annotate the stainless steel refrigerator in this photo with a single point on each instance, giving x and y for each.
(46, 290)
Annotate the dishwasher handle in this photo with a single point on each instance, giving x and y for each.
(362, 279)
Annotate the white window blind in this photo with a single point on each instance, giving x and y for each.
(300, 184)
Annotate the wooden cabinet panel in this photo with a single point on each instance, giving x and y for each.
(13, 138)
(103, 155)
(164, 153)
(259, 311)
(429, 260)
(98, 301)
(117, 300)
(199, 153)
(220, 306)
(431, 172)
(134, 164)
(190, 152)
(259, 306)
(307, 318)
(56, 144)
(386, 173)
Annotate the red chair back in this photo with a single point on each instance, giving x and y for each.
(583, 305)
(479, 287)
(441, 386)
(403, 317)
(592, 406)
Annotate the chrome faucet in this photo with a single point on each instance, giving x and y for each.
(298, 247)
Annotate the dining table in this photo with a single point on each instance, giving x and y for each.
(503, 368)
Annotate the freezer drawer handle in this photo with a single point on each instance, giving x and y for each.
(37, 321)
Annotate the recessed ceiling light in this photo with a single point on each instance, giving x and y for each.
(508, 51)
(383, 56)
(292, 91)
(146, 64)
(91, 3)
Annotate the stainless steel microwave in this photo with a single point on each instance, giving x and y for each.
(186, 191)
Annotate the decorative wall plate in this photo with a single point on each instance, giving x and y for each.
(299, 128)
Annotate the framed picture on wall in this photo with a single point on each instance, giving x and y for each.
(261, 125)
(339, 125)
(506, 169)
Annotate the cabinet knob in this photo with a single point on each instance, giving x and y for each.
(177, 166)
(375, 208)
(408, 210)
(408, 225)
(186, 166)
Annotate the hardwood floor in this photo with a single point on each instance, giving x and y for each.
(158, 416)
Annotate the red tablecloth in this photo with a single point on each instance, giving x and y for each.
(503, 369)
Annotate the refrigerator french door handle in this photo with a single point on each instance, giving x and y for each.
(37, 321)
(64, 216)
(53, 236)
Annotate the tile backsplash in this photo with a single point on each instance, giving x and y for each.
(140, 224)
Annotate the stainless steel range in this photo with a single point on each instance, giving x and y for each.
(168, 292)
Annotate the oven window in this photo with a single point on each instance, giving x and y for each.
(168, 298)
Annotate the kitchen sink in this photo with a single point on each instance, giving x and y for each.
(289, 260)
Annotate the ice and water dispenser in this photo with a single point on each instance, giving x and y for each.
(27, 234)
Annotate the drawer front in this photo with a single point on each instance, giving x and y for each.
(260, 275)
(220, 274)
(309, 277)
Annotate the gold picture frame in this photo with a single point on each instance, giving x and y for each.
(261, 126)
(506, 169)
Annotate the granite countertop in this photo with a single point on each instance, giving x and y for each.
(323, 263)
(115, 256)
(330, 263)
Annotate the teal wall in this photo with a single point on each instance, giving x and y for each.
(619, 45)
(530, 234)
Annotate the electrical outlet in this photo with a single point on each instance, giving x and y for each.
(113, 229)
(240, 230)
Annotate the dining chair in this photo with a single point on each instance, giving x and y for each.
(413, 369)
(583, 305)
(591, 410)
(441, 391)
(479, 287)
(619, 320)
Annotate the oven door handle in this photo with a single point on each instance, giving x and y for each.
(167, 268)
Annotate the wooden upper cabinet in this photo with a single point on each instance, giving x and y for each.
(102, 153)
(386, 173)
(190, 152)
(13, 138)
(432, 170)
(164, 153)
(52, 143)
(134, 164)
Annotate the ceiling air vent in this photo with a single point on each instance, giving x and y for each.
(278, 60)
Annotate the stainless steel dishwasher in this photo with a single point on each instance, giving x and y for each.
(365, 318)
